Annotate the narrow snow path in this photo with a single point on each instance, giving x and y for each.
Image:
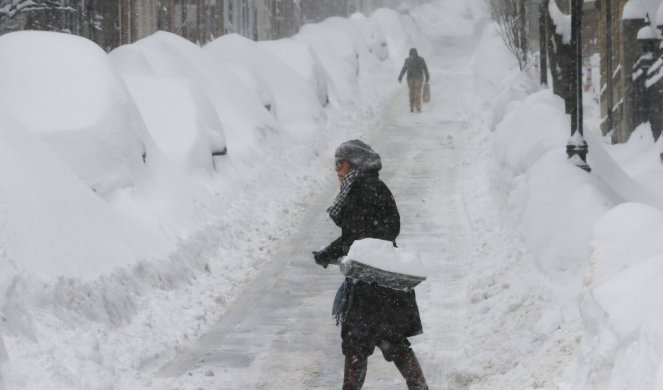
(280, 334)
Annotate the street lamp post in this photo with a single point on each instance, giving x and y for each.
(608, 66)
(576, 147)
(543, 42)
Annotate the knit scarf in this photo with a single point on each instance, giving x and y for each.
(335, 209)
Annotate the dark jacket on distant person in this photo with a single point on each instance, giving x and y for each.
(415, 67)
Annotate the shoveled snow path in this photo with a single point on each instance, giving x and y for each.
(280, 334)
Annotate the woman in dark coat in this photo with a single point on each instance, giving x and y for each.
(370, 315)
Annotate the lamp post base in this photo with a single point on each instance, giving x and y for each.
(577, 153)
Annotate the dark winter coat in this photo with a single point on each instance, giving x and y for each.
(415, 67)
(376, 313)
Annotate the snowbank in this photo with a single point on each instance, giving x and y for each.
(65, 90)
(162, 79)
(556, 202)
(299, 110)
(589, 234)
(175, 117)
(342, 74)
(45, 200)
(301, 58)
(399, 36)
(622, 306)
(373, 36)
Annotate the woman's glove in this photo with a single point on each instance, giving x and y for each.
(321, 258)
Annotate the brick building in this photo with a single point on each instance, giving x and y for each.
(627, 18)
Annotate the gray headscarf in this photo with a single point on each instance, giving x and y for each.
(363, 160)
(360, 155)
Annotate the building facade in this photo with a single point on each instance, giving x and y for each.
(619, 24)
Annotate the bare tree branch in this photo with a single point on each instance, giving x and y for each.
(511, 17)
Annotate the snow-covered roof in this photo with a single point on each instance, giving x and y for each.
(634, 9)
(648, 32)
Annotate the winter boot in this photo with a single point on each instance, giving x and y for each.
(409, 367)
(355, 371)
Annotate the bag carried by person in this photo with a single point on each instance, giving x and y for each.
(426, 93)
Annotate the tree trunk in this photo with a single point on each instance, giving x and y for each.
(543, 43)
(608, 67)
(125, 22)
(170, 15)
(201, 21)
(524, 41)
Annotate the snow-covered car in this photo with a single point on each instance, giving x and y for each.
(171, 96)
(253, 81)
(344, 27)
(373, 36)
(298, 108)
(339, 41)
(342, 74)
(391, 23)
(65, 90)
(305, 61)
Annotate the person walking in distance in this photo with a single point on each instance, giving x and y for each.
(370, 315)
(417, 71)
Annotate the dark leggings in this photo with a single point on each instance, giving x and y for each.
(356, 366)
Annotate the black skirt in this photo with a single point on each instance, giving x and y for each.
(378, 314)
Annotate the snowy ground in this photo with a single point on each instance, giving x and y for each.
(541, 276)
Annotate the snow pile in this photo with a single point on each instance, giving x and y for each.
(400, 37)
(383, 255)
(622, 307)
(621, 303)
(590, 238)
(303, 60)
(221, 109)
(170, 95)
(76, 104)
(342, 71)
(374, 37)
(47, 201)
(352, 46)
(299, 110)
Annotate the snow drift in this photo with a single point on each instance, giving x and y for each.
(65, 90)
(597, 234)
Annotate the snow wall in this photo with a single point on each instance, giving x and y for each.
(595, 235)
